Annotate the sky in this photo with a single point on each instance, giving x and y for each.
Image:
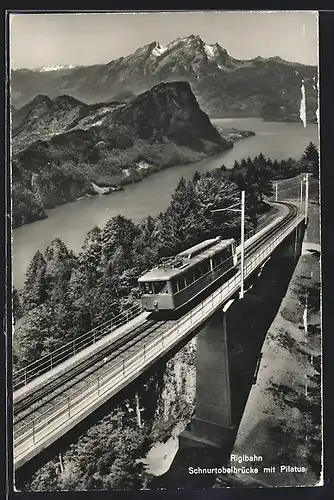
(84, 39)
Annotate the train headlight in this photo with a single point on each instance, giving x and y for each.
(155, 304)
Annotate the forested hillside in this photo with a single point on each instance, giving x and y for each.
(65, 295)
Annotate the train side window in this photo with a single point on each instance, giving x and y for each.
(160, 287)
(197, 272)
(205, 267)
(226, 254)
(175, 287)
(189, 278)
(181, 283)
(216, 261)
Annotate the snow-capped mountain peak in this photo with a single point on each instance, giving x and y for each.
(158, 50)
(56, 67)
(188, 40)
(210, 51)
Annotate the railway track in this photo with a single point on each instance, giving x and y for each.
(259, 241)
(81, 375)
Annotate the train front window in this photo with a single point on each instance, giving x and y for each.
(147, 287)
(160, 287)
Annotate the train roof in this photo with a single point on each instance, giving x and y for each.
(183, 261)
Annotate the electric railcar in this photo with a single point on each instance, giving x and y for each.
(178, 280)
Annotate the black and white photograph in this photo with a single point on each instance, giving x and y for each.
(166, 281)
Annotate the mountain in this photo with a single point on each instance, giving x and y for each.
(63, 149)
(43, 117)
(223, 85)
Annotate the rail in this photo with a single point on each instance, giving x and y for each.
(127, 368)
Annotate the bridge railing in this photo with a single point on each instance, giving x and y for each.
(48, 362)
(126, 369)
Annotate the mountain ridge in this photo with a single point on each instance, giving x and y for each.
(215, 77)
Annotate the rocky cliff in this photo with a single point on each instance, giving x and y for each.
(171, 110)
(62, 148)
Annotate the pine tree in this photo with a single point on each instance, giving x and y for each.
(196, 176)
(90, 257)
(103, 301)
(34, 290)
(34, 334)
(175, 223)
(145, 245)
(60, 263)
(311, 153)
(311, 158)
(118, 232)
(17, 308)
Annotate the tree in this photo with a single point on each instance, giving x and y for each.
(311, 153)
(90, 257)
(196, 176)
(78, 308)
(214, 194)
(118, 232)
(104, 458)
(34, 290)
(257, 185)
(311, 158)
(255, 178)
(175, 224)
(103, 301)
(17, 308)
(46, 479)
(145, 245)
(189, 219)
(38, 326)
(60, 263)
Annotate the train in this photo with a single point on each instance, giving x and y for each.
(180, 279)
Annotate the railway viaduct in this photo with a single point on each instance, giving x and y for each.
(212, 423)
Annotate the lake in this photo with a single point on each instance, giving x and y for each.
(71, 222)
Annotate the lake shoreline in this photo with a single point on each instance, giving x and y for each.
(143, 169)
(71, 222)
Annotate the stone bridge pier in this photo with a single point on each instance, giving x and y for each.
(211, 424)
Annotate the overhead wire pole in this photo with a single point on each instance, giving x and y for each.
(276, 190)
(301, 190)
(306, 198)
(242, 240)
(242, 243)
